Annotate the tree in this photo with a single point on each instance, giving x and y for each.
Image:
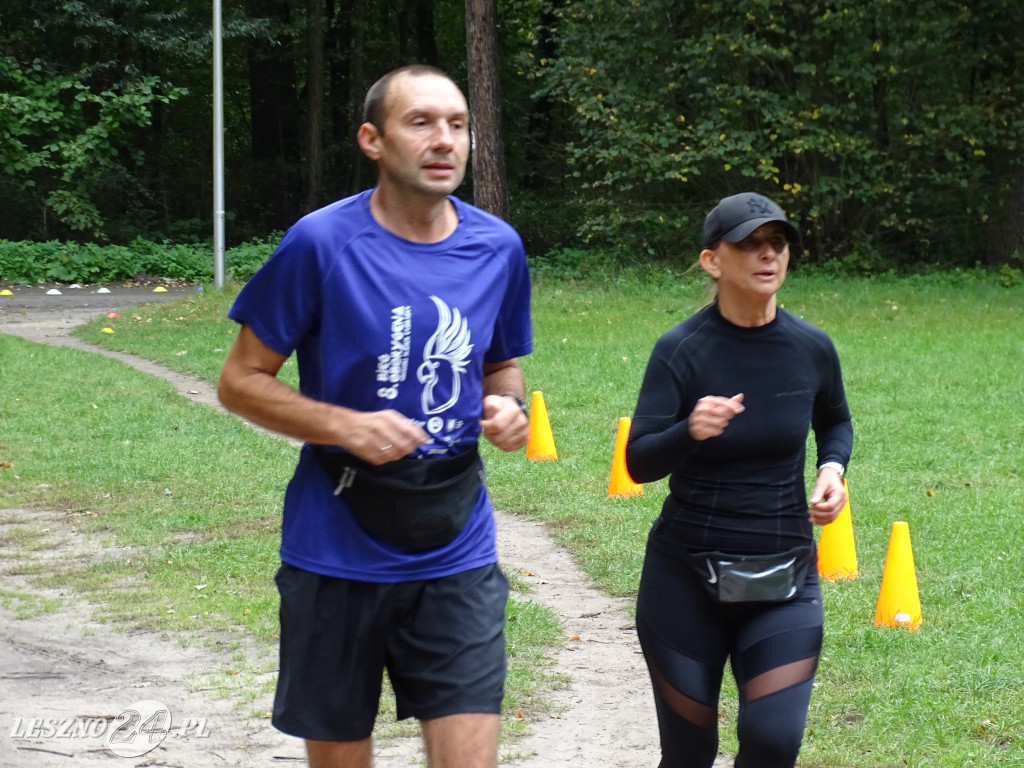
(892, 138)
(315, 85)
(74, 114)
(489, 189)
(873, 127)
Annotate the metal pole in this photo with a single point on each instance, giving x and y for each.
(218, 151)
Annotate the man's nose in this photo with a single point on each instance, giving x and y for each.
(443, 136)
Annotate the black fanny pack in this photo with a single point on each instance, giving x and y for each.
(753, 578)
(413, 504)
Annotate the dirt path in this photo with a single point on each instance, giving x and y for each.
(65, 665)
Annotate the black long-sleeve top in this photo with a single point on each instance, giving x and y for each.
(743, 491)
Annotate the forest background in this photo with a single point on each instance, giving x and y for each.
(892, 138)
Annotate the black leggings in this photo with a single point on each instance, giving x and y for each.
(686, 638)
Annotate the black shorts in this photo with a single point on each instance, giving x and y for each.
(442, 642)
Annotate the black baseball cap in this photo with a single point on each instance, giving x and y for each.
(737, 216)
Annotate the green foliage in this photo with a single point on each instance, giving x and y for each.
(1010, 275)
(573, 264)
(242, 261)
(65, 262)
(881, 132)
(98, 116)
(892, 138)
(64, 140)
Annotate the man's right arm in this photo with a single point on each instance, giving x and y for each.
(250, 388)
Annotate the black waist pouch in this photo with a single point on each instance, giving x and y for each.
(753, 578)
(413, 504)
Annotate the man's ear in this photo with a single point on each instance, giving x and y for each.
(709, 260)
(368, 139)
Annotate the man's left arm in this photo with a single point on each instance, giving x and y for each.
(504, 421)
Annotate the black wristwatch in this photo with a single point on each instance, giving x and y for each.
(519, 401)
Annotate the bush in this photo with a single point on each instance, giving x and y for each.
(28, 263)
(242, 261)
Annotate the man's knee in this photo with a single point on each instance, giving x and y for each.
(339, 754)
(462, 741)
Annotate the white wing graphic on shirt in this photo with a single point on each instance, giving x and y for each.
(446, 354)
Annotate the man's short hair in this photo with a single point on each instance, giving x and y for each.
(375, 104)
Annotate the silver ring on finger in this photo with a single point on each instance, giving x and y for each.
(386, 448)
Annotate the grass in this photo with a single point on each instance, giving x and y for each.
(933, 375)
(25, 604)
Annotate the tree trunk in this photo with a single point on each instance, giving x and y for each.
(359, 164)
(273, 177)
(271, 91)
(426, 38)
(489, 184)
(1006, 223)
(315, 82)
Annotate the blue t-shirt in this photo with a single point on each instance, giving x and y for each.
(378, 322)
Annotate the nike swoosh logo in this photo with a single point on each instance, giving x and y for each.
(713, 578)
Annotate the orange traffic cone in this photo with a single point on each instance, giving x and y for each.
(837, 555)
(898, 602)
(620, 483)
(540, 445)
